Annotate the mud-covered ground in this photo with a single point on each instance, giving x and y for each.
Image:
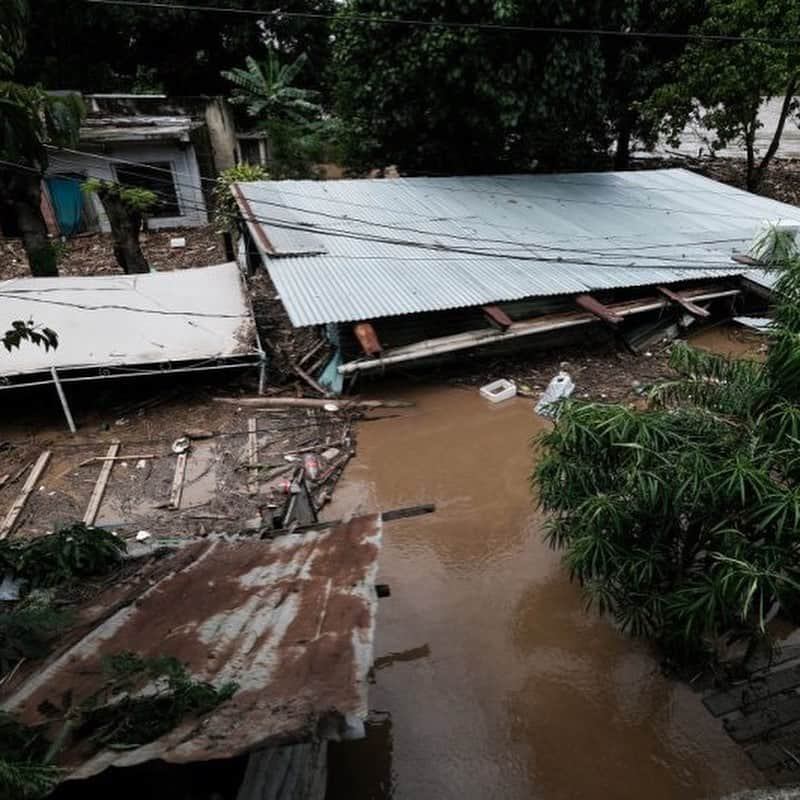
(220, 491)
(93, 254)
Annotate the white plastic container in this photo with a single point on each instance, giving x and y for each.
(498, 391)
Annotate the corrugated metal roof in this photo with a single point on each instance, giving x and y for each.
(406, 245)
(290, 620)
(119, 320)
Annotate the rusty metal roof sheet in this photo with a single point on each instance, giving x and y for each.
(409, 245)
(290, 620)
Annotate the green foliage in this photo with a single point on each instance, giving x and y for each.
(722, 84)
(683, 520)
(133, 198)
(30, 332)
(226, 210)
(13, 21)
(296, 131)
(121, 715)
(71, 553)
(462, 100)
(24, 775)
(27, 631)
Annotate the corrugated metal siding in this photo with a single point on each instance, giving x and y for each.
(515, 236)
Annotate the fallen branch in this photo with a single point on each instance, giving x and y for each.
(310, 402)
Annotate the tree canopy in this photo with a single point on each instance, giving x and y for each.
(722, 84)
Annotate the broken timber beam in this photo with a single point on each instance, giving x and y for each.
(310, 402)
(252, 454)
(100, 487)
(25, 493)
(497, 318)
(367, 338)
(588, 303)
(687, 305)
(177, 481)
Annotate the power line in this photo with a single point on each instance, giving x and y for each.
(481, 26)
(518, 195)
(473, 251)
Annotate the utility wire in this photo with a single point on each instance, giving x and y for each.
(372, 19)
(473, 251)
(515, 244)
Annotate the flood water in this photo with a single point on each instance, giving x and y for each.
(491, 678)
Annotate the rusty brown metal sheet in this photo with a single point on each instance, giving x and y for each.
(290, 620)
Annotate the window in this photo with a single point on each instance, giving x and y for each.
(250, 151)
(157, 177)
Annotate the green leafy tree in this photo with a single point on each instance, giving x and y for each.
(100, 48)
(466, 100)
(722, 85)
(28, 331)
(126, 208)
(287, 114)
(30, 118)
(683, 520)
(226, 209)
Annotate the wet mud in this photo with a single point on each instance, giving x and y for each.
(491, 679)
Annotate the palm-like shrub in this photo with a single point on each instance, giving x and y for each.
(683, 519)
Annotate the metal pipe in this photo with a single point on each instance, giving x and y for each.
(63, 398)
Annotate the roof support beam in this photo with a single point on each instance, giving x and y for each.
(588, 303)
(687, 305)
(497, 318)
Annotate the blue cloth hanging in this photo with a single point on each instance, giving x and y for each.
(67, 203)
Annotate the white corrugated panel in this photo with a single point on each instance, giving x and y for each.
(406, 245)
(119, 320)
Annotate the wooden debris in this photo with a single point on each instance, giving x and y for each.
(25, 493)
(497, 318)
(4, 479)
(367, 338)
(95, 459)
(310, 402)
(177, 481)
(588, 303)
(100, 487)
(687, 305)
(198, 433)
(311, 353)
(252, 454)
(310, 381)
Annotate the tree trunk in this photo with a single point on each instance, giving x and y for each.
(125, 227)
(622, 157)
(750, 147)
(758, 172)
(22, 192)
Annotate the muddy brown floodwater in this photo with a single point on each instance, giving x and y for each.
(496, 682)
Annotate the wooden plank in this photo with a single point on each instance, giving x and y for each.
(368, 338)
(774, 752)
(177, 481)
(774, 713)
(754, 690)
(588, 303)
(497, 317)
(25, 493)
(252, 454)
(100, 487)
(687, 305)
(310, 381)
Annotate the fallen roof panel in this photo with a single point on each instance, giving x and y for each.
(408, 245)
(110, 321)
(291, 621)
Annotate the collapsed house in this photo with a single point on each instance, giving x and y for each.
(288, 622)
(127, 326)
(405, 270)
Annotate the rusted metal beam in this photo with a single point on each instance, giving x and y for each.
(687, 305)
(588, 303)
(748, 261)
(497, 317)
